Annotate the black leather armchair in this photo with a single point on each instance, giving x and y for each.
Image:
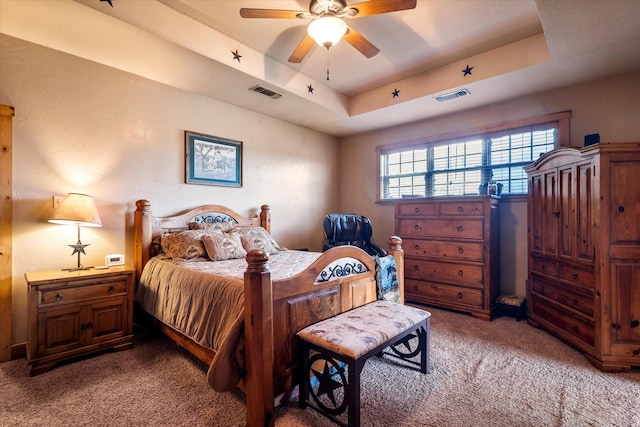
(350, 229)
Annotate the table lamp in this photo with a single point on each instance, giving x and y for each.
(79, 210)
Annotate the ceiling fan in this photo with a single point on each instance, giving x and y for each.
(328, 27)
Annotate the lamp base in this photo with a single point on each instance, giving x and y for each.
(77, 268)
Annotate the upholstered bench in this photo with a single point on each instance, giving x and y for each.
(334, 351)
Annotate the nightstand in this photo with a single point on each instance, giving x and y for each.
(74, 313)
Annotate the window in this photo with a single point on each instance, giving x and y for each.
(465, 163)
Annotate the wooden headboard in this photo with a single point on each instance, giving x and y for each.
(147, 227)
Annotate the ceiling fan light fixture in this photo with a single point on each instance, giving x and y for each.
(327, 30)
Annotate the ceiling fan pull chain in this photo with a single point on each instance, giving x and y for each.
(327, 64)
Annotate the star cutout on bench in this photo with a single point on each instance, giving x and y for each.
(326, 384)
(467, 70)
(108, 1)
(310, 89)
(236, 55)
(395, 93)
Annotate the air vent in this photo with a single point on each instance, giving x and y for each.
(267, 92)
(452, 95)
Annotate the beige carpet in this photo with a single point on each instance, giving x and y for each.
(500, 373)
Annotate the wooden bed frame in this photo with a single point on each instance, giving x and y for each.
(274, 310)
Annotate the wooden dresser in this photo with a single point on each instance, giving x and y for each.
(451, 247)
(584, 250)
(73, 313)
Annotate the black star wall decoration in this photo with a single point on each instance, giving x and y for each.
(467, 71)
(108, 1)
(310, 89)
(395, 93)
(236, 55)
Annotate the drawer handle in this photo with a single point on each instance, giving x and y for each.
(635, 324)
(556, 213)
(416, 268)
(111, 289)
(434, 287)
(615, 326)
(575, 301)
(459, 295)
(575, 329)
(416, 209)
(417, 247)
(460, 209)
(460, 250)
(620, 209)
(415, 287)
(59, 297)
(460, 228)
(416, 227)
(636, 352)
(460, 273)
(575, 276)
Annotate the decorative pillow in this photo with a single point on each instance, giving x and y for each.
(387, 287)
(256, 238)
(184, 244)
(223, 246)
(217, 226)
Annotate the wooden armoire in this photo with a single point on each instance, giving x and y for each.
(584, 250)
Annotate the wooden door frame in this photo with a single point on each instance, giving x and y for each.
(6, 231)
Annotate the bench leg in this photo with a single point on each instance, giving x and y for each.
(423, 339)
(353, 390)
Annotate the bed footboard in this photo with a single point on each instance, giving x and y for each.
(276, 311)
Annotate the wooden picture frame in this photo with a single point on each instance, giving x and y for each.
(211, 160)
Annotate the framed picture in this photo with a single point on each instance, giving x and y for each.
(213, 161)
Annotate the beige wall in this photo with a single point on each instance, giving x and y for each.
(609, 107)
(84, 127)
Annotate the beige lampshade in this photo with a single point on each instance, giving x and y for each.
(77, 209)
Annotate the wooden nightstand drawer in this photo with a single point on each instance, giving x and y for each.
(446, 249)
(82, 292)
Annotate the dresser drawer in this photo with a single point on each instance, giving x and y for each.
(582, 329)
(544, 266)
(405, 209)
(461, 208)
(83, 292)
(577, 276)
(464, 274)
(468, 251)
(567, 297)
(432, 292)
(453, 228)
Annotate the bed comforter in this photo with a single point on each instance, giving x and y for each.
(204, 300)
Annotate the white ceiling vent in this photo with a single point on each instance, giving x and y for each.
(452, 95)
(267, 92)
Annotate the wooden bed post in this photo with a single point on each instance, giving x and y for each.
(258, 332)
(143, 228)
(395, 248)
(265, 217)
